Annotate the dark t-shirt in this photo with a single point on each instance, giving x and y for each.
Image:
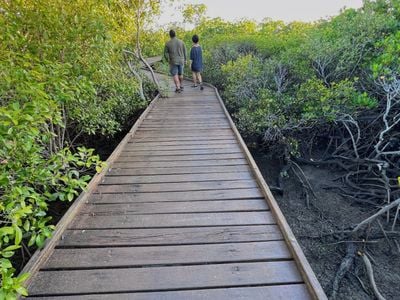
(196, 56)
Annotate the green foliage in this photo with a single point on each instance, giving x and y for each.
(387, 64)
(67, 53)
(194, 13)
(255, 115)
(320, 102)
(278, 79)
(31, 176)
(62, 77)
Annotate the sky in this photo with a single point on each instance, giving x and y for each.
(286, 10)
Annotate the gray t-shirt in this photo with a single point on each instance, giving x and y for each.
(175, 52)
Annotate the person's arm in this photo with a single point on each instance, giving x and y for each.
(191, 57)
(184, 52)
(191, 54)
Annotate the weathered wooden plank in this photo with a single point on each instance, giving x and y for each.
(190, 106)
(182, 105)
(183, 152)
(175, 127)
(184, 133)
(273, 292)
(174, 187)
(177, 170)
(182, 138)
(230, 194)
(187, 125)
(167, 255)
(141, 143)
(159, 278)
(189, 97)
(184, 117)
(168, 128)
(189, 110)
(176, 178)
(169, 236)
(170, 158)
(186, 113)
(179, 163)
(175, 207)
(187, 122)
(172, 220)
(147, 148)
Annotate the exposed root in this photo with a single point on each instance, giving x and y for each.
(370, 274)
(372, 218)
(345, 266)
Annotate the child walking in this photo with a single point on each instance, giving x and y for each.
(196, 58)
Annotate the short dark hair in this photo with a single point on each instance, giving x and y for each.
(172, 33)
(195, 39)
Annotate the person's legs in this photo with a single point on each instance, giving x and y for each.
(180, 74)
(174, 72)
(194, 75)
(177, 82)
(200, 80)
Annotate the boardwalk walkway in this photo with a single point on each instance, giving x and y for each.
(182, 213)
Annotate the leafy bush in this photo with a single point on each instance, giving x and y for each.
(62, 77)
(31, 176)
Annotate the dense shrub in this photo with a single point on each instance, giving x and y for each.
(278, 76)
(62, 77)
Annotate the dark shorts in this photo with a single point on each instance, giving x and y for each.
(176, 70)
(196, 69)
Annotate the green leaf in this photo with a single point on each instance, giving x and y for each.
(27, 225)
(18, 235)
(70, 197)
(7, 254)
(12, 248)
(22, 291)
(23, 277)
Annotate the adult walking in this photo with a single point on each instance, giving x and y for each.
(175, 54)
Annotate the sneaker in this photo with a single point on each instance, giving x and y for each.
(177, 90)
(181, 87)
(201, 87)
(194, 86)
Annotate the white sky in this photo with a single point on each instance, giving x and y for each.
(287, 10)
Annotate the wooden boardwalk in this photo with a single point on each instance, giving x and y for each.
(181, 213)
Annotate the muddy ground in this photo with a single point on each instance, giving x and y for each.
(332, 213)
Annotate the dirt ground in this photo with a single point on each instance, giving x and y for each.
(332, 213)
